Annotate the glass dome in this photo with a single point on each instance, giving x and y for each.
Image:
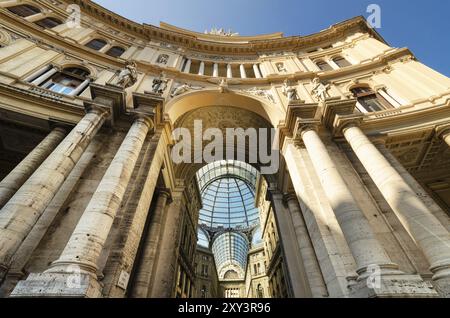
(228, 210)
(228, 195)
(230, 248)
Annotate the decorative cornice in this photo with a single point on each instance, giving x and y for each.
(332, 108)
(248, 45)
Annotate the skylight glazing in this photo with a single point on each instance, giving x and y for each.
(230, 248)
(228, 198)
(228, 195)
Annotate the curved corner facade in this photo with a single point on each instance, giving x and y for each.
(95, 201)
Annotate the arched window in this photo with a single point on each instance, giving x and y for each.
(341, 62)
(96, 44)
(48, 23)
(324, 66)
(370, 101)
(260, 291)
(69, 81)
(115, 51)
(24, 10)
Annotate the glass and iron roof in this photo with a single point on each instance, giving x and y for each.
(228, 198)
(230, 248)
(228, 195)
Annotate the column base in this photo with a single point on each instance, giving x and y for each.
(393, 286)
(65, 285)
(3, 271)
(441, 280)
(9, 282)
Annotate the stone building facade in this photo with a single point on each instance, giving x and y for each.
(92, 203)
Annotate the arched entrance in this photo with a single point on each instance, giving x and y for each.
(231, 179)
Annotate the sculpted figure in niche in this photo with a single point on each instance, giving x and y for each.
(320, 90)
(159, 84)
(289, 91)
(281, 68)
(162, 59)
(128, 76)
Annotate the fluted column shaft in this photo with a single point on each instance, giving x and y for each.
(312, 268)
(423, 226)
(166, 267)
(151, 243)
(22, 211)
(357, 231)
(17, 177)
(87, 241)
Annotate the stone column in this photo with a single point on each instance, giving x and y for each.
(22, 211)
(446, 136)
(389, 98)
(17, 177)
(357, 231)
(257, 71)
(35, 17)
(333, 64)
(201, 70)
(83, 250)
(312, 268)
(41, 79)
(80, 88)
(38, 73)
(147, 266)
(166, 267)
(187, 67)
(291, 251)
(242, 69)
(215, 70)
(229, 71)
(429, 234)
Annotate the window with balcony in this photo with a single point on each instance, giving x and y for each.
(369, 100)
(69, 81)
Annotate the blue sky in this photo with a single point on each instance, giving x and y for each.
(422, 26)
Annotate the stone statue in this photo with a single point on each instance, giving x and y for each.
(183, 89)
(128, 76)
(319, 90)
(162, 59)
(221, 32)
(159, 84)
(281, 68)
(290, 92)
(223, 85)
(260, 93)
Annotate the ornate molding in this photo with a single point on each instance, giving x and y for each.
(262, 93)
(193, 41)
(341, 122)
